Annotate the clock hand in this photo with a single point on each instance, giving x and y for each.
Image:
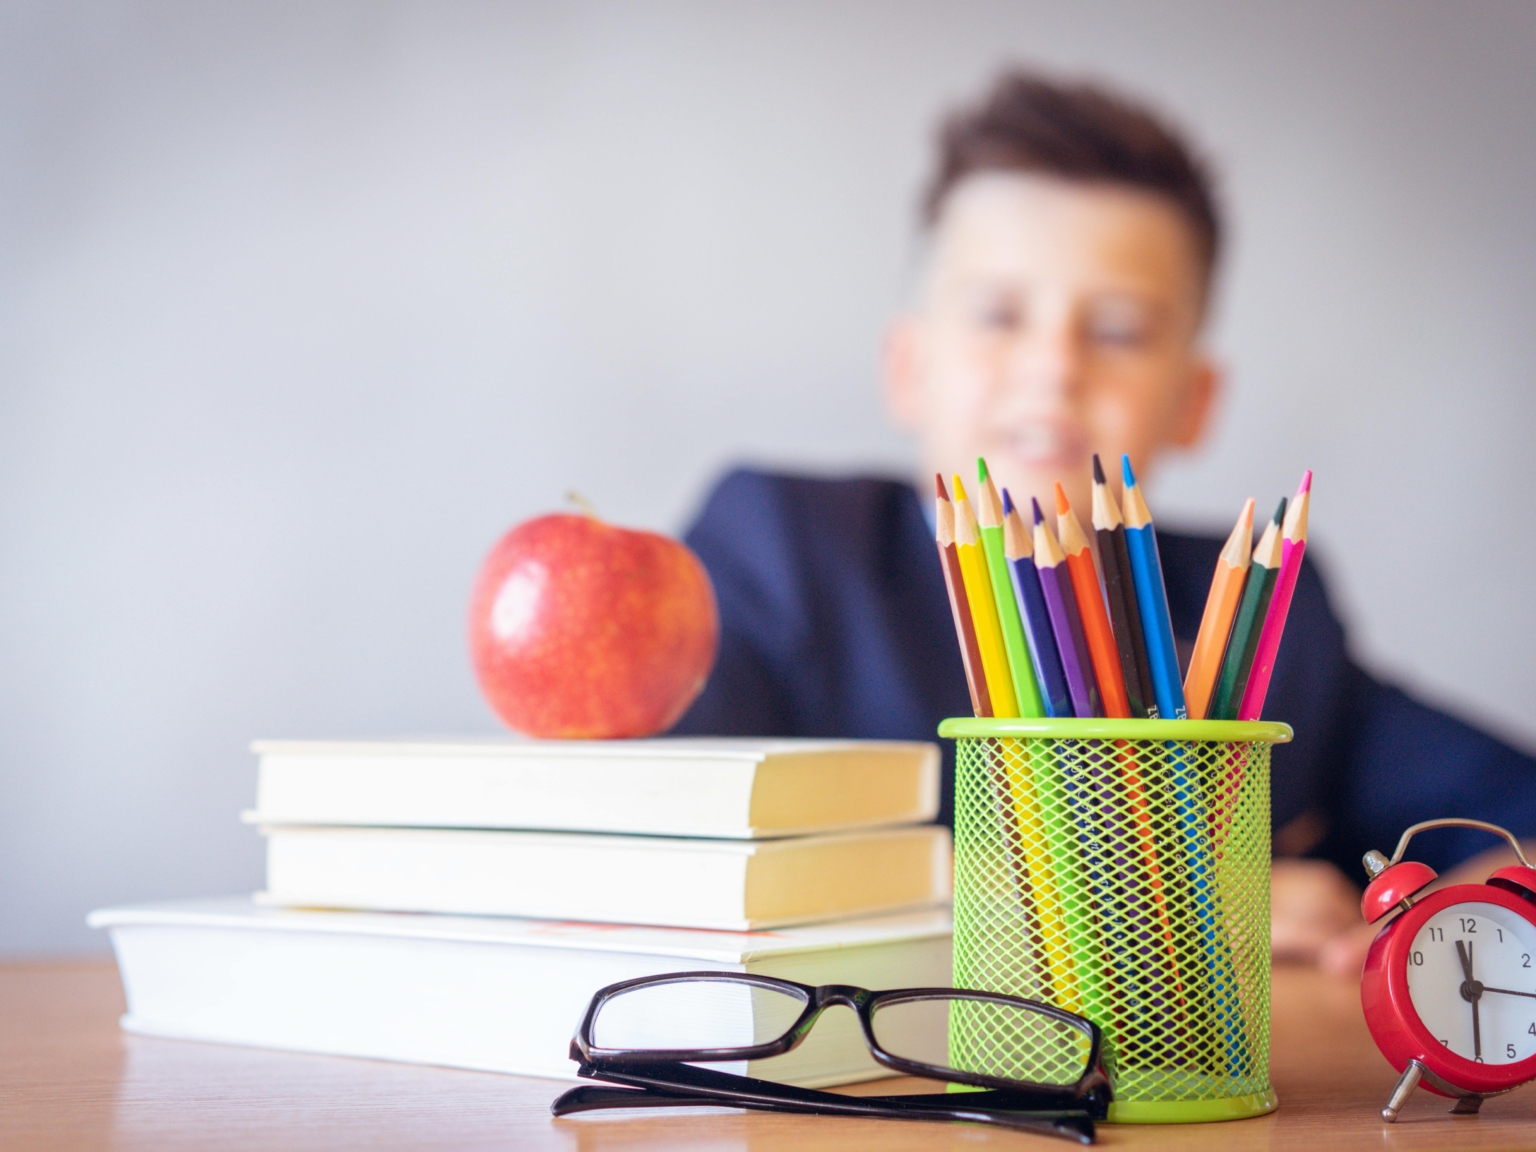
(1471, 991)
(1477, 995)
(1509, 992)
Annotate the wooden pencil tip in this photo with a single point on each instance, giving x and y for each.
(1125, 470)
(1035, 504)
(1007, 503)
(938, 484)
(981, 469)
(1098, 470)
(1306, 482)
(1280, 511)
(1063, 505)
(959, 488)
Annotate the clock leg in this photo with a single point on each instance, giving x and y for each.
(1406, 1083)
(1467, 1105)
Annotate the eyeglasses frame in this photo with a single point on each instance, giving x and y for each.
(1095, 1085)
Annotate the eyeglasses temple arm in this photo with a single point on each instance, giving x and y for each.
(720, 1089)
(588, 1097)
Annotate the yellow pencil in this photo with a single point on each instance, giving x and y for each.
(978, 590)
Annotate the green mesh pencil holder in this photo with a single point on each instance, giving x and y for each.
(1120, 869)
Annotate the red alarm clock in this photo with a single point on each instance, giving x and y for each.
(1449, 987)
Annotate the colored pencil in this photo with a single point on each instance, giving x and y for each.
(959, 607)
(1164, 982)
(1070, 948)
(1024, 819)
(989, 515)
(1017, 810)
(1036, 618)
(1237, 661)
(1152, 599)
(1120, 591)
(1190, 893)
(1293, 547)
(978, 593)
(1066, 623)
(1090, 607)
(1220, 608)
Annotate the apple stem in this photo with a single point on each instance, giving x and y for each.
(583, 503)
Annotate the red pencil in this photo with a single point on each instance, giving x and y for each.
(1102, 648)
(959, 606)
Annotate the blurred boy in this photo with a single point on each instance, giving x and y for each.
(1072, 243)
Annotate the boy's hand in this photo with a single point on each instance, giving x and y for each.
(1315, 917)
(1315, 910)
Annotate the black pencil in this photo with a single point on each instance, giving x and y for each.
(1120, 591)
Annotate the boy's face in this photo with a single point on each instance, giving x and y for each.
(1058, 319)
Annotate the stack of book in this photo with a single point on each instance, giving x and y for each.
(458, 902)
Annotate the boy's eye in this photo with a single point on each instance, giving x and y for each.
(1001, 315)
(1120, 324)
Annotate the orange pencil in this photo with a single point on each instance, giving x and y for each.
(1102, 648)
(1220, 610)
(959, 606)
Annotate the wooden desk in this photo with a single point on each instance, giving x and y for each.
(70, 1080)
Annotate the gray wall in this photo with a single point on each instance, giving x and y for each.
(301, 305)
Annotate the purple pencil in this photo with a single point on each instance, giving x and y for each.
(1066, 622)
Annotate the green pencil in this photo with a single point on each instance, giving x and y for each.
(989, 514)
(1243, 640)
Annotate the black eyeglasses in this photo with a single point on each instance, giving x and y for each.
(649, 1033)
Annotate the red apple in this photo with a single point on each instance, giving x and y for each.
(580, 629)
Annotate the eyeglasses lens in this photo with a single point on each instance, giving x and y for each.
(695, 1014)
(983, 1037)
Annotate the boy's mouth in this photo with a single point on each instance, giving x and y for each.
(1045, 445)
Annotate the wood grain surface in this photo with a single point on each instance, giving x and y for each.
(69, 1079)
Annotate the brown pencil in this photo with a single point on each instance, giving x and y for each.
(1120, 591)
(959, 606)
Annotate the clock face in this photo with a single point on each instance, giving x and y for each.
(1497, 1024)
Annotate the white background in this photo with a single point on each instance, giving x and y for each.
(301, 305)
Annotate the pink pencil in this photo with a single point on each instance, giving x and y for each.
(1293, 547)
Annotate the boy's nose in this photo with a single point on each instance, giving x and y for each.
(1049, 359)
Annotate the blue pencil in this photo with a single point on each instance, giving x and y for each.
(1032, 611)
(1187, 794)
(1152, 599)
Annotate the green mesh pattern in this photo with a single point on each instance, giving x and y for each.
(1125, 880)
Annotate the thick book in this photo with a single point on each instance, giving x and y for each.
(683, 786)
(731, 885)
(490, 994)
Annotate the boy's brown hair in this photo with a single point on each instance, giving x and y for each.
(1077, 131)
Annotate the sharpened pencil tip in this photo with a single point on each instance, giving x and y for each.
(1306, 482)
(1063, 505)
(1098, 470)
(957, 487)
(1280, 511)
(1007, 503)
(1125, 471)
(1036, 505)
(981, 469)
(938, 484)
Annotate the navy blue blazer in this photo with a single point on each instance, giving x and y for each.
(835, 622)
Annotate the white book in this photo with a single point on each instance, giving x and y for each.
(499, 995)
(683, 786)
(686, 883)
